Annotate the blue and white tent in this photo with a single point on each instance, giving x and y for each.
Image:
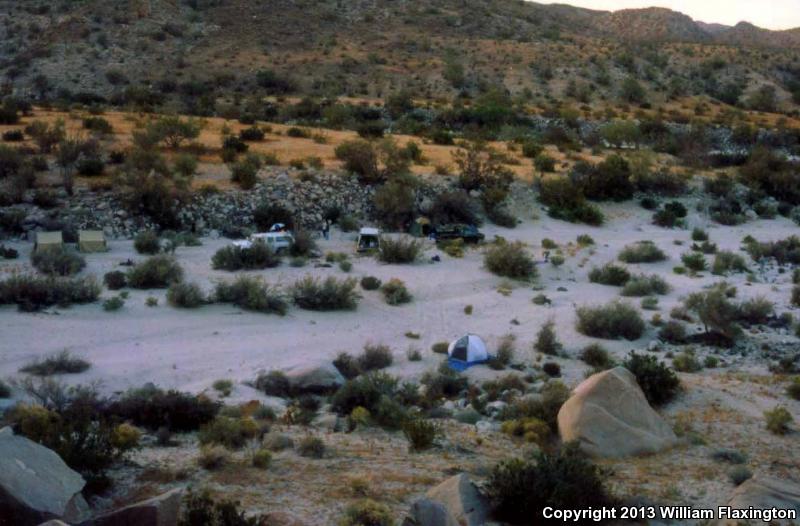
(467, 351)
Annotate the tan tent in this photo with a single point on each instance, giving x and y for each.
(92, 241)
(49, 241)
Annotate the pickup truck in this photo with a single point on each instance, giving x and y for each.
(469, 233)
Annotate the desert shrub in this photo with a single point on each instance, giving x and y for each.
(61, 363)
(793, 390)
(566, 201)
(594, 355)
(715, 310)
(157, 272)
(303, 244)
(274, 383)
(610, 274)
(251, 293)
(360, 158)
(642, 252)
(726, 262)
(213, 457)
(255, 257)
(153, 408)
(795, 299)
(545, 407)
(673, 332)
(658, 382)
(253, 133)
(115, 280)
(530, 429)
(544, 163)
(324, 295)
(585, 240)
(420, 433)
(5, 390)
(611, 321)
(778, 420)
(609, 180)
(185, 295)
(363, 391)
(694, 261)
(510, 260)
(375, 357)
(551, 369)
(367, 512)
(261, 459)
(698, 234)
(454, 207)
(395, 292)
(57, 262)
(267, 214)
(13, 136)
(146, 242)
(520, 489)
(784, 251)
(199, 509)
(756, 311)
(399, 250)
(33, 293)
(230, 432)
(498, 387)
(440, 347)
(505, 351)
(739, 474)
(113, 304)
(370, 283)
(348, 365)
(686, 362)
(643, 285)
(311, 447)
(444, 383)
(546, 340)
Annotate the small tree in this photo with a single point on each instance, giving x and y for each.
(173, 131)
(67, 155)
(717, 313)
(481, 168)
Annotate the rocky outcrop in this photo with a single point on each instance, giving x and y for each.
(609, 416)
(426, 512)
(315, 378)
(281, 518)
(765, 492)
(35, 484)
(462, 500)
(163, 510)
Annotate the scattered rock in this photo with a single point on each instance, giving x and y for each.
(281, 518)
(316, 378)
(462, 500)
(35, 484)
(426, 512)
(163, 510)
(609, 416)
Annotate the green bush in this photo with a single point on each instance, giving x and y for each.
(420, 433)
(61, 363)
(444, 383)
(267, 214)
(199, 509)
(793, 390)
(370, 283)
(367, 512)
(686, 362)
(643, 285)
(57, 262)
(658, 382)
(230, 432)
(185, 295)
(363, 391)
(147, 242)
(784, 251)
(348, 365)
(251, 293)
(395, 292)
(726, 262)
(303, 244)
(274, 383)
(375, 357)
(399, 249)
(113, 304)
(698, 234)
(778, 420)
(311, 447)
(520, 489)
(33, 293)
(594, 355)
(153, 408)
(256, 257)
(694, 261)
(611, 321)
(510, 260)
(610, 274)
(546, 340)
(157, 272)
(440, 347)
(331, 294)
(673, 332)
(756, 311)
(115, 280)
(715, 310)
(642, 252)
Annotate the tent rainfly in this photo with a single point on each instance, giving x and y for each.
(467, 351)
(92, 241)
(48, 241)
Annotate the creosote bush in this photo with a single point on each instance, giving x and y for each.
(115, 280)
(395, 292)
(658, 382)
(146, 242)
(230, 432)
(61, 363)
(399, 249)
(153, 408)
(255, 257)
(596, 356)
(610, 274)
(33, 293)
(325, 295)
(251, 293)
(157, 272)
(642, 252)
(185, 295)
(546, 340)
(778, 420)
(57, 262)
(510, 260)
(420, 433)
(370, 283)
(367, 512)
(643, 285)
(611, 321)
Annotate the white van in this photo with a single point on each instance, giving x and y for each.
(368, 239)
(277, 241)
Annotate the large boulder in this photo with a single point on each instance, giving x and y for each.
(281, 518)
(35, 484)
(765, 492)
(162, 510)
(609, 416)
(462, 500)
(426, 512)
(315, 378)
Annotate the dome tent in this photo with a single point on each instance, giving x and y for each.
(467, 351)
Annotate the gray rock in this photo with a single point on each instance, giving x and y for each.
(462, 500)
(35, 484)
(281, 518)
(315, 378)
(763, 492)
(163, 510)
(484, 426)
(426, 512)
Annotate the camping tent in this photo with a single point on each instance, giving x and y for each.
(92, 241)
(467, 351)
(49, 241)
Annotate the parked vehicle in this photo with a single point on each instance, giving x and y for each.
(469, 233)
(368, 239)
(277, 241)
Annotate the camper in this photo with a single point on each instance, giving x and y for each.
(277, 241)
(368, 239)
